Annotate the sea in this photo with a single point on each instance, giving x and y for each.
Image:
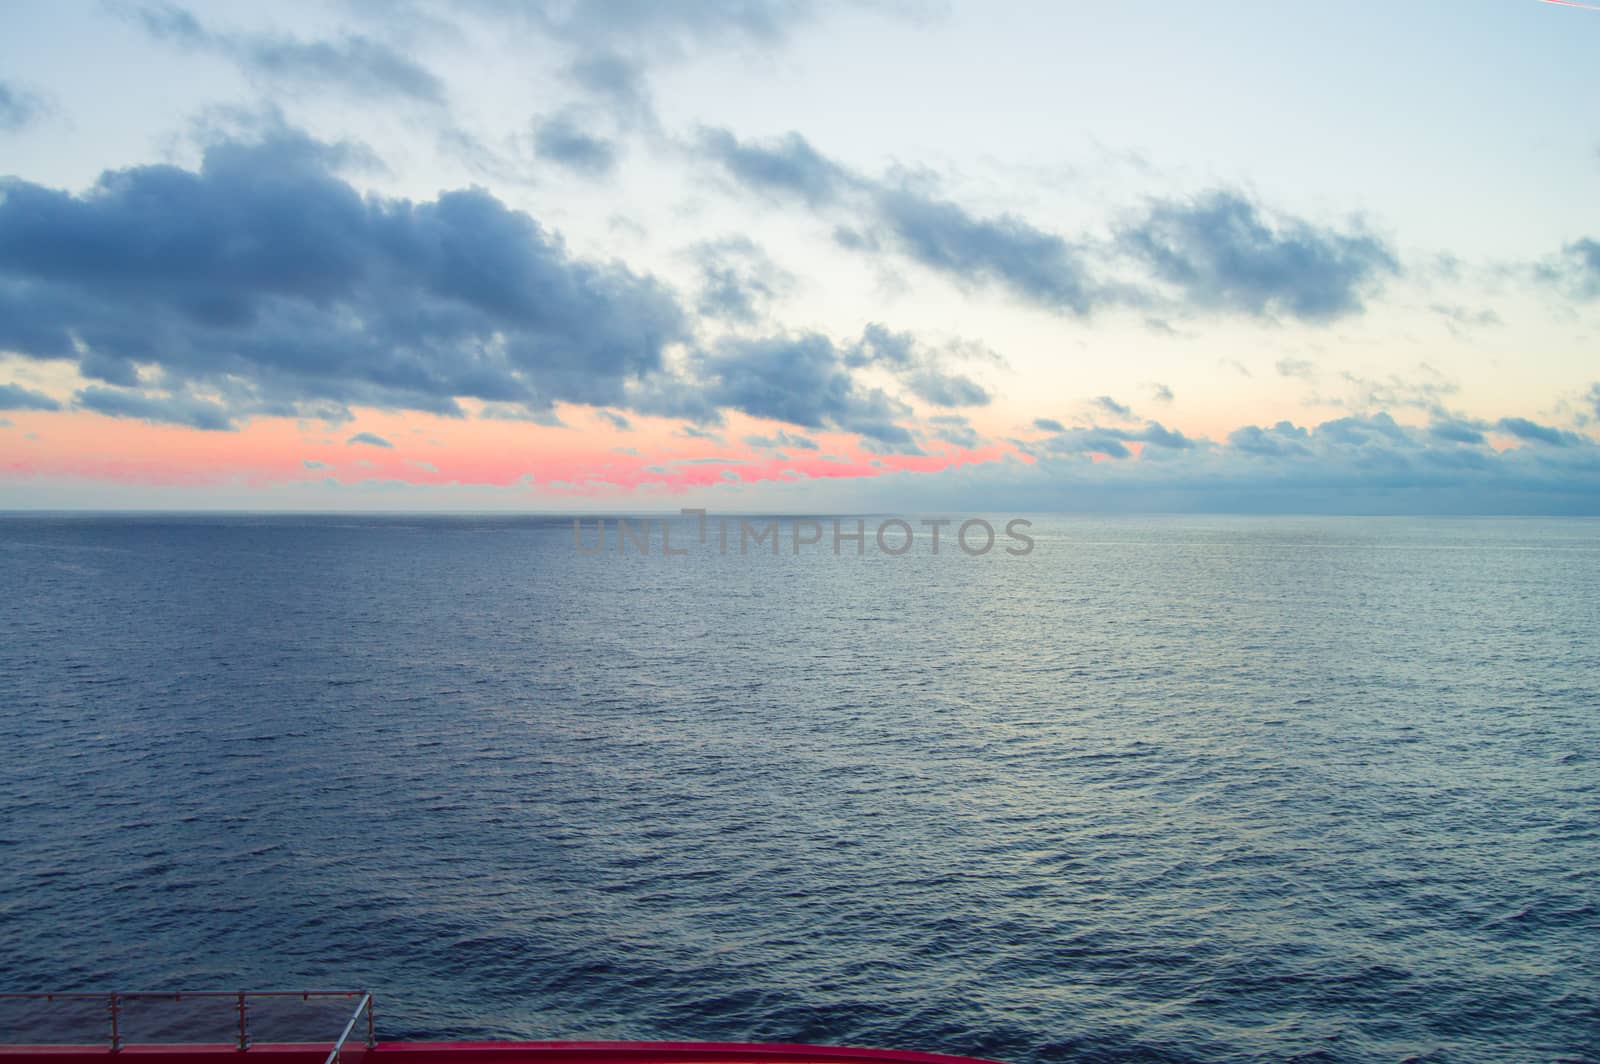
(1157, 788)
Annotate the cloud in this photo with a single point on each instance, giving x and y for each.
(670, 30)
(1106, 404)
(1111, 441)
(787, 168)
(355, 63)
(1461, 318)
(920, 367)
(176, 409)
(783, 439)
(18, 107)
(615, 420)
(954, 429)
(560, 140)
(946, 389)
(694, 432)
(16, 397)
(613, 48)
(799, 380)
(1295, 367)
(738, 281)
(1577, 272)
(1048, 424)
(1456, 430)
(1532, 432)
(1218, 253)
(1369, 464)
(369, 439)
(1427, 391)
(265, 278)
(1028, 263)
(1222, 252)
(1160, 393)
(617, 82)
(1283, 440)
(311, 463)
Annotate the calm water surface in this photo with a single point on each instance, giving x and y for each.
(1175, 789)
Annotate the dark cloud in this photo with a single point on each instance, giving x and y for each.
(800, 380)
(1030, 264)
(354, 62)
(1083, 441)
(369, 439)
(99, 366)
(1218, 253)
(616, 420)
(1533, 432)
(560, 140)
(787, 168)
(881, 346)
(1223, 253)
(946, 389)
(1157, 435)
(1283, 440)
(1048, 424)
(266, 278)
(16, 397)
(1456, 430)
(1360, 431)
(160, 409)
(18, 107)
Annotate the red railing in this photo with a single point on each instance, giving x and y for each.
(63, 1019)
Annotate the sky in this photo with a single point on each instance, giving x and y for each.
(784, 255)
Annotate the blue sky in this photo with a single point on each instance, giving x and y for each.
(1251, 256)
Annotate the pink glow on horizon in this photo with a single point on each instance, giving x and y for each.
(587, 459)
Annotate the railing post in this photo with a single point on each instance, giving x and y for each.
(244, 1036)
(116, 1036)
(372, 1042)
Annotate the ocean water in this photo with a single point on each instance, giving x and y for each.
(1165, 789)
